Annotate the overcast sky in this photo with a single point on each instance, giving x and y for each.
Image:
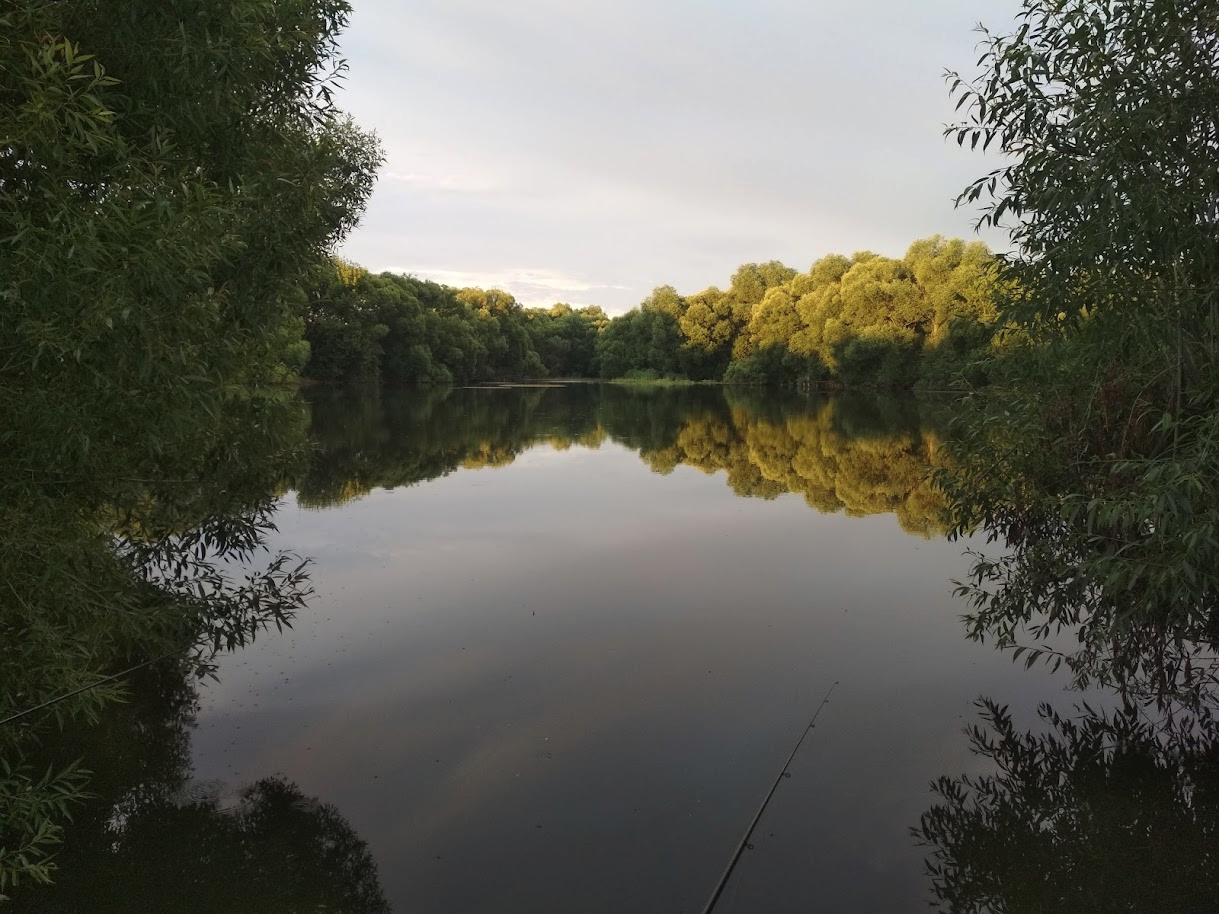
(589, 151)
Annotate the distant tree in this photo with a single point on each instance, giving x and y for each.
(749, 286)
(862, 320)
(565, 338)
(775, 320)
(642, 343)
(666, 300)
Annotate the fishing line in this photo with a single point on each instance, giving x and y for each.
(103, 681)
(740, 849)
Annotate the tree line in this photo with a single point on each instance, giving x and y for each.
(365, 327)
(866, 320)
(924, 320)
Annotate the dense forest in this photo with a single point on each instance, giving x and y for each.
(925, 320)
(364, 327)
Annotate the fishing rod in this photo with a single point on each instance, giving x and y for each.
(744, 843)
(93, 685)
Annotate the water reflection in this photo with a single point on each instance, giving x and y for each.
(514, 638)
(152, 838)
(1099, 811)
(1109, 801)
(1111, 804)
(861, 454)
(574, 670)
(121, 589)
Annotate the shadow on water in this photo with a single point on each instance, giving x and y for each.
(151, 838)
(1110, 802)
(120, 594)
(1101, 810)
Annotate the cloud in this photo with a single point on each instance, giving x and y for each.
(437, 183)
(625, 145)
(530, 287)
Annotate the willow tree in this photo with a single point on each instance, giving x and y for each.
(169, 173)
(1100, 472)
(1106, 113)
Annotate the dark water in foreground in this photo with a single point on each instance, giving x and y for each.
(561, 644)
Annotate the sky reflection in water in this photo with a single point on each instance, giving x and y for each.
(565, 683)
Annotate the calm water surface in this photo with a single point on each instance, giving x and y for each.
(563, 676)
(563, 640)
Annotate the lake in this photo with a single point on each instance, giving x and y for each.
(563, 640)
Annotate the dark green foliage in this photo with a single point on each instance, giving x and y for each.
(169, 173)
(965, 355)
(363, 327)
(1103, 812)
(866, 360)
(1094, 469)
(775, 364)
(32, 817)
(642, 341)
(1098, 468)
(565, 339)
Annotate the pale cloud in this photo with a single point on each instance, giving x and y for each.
(437, 183)
(615, 147)
(530, 287)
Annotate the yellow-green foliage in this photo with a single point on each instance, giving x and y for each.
(805, 453)
(925, 318)
(766, 449)
(859, 320)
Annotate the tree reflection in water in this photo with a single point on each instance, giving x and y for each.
(164, 558)
(153, 568)
(1112, 805)
(1106, 810)
(863, 453)
(153, 839)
